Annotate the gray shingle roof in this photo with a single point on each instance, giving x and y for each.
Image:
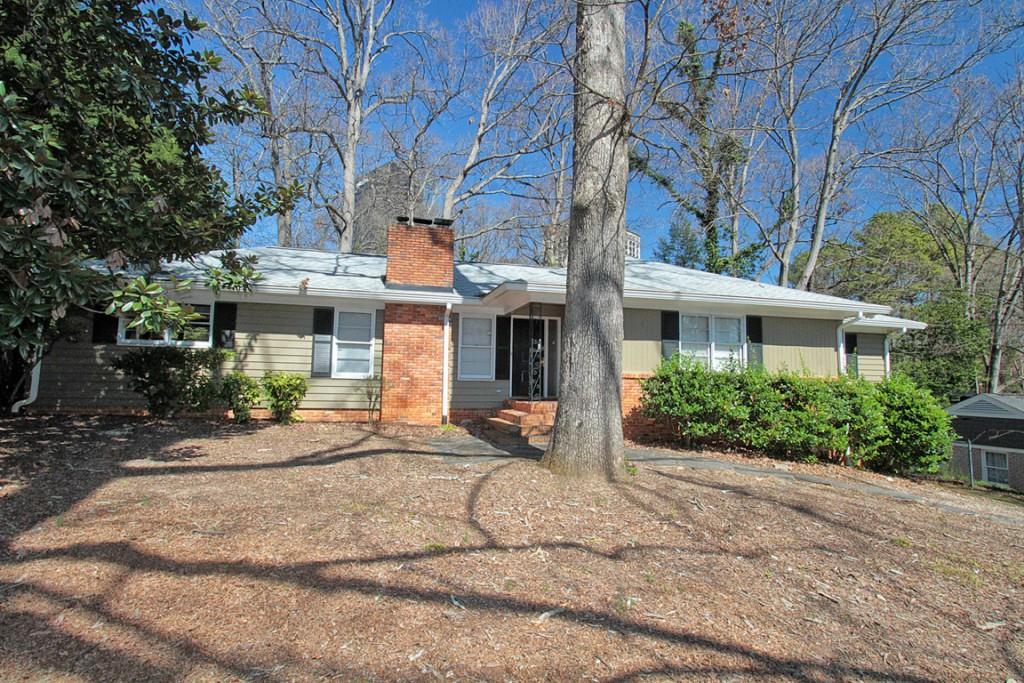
(285, 268)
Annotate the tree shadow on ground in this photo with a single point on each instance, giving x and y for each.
(311, 575)
(39, 639)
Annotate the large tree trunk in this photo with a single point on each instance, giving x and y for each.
(587, 439)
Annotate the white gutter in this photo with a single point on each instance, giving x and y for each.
(659, 295)
(397, 296)
(444, 368)
(33, 389)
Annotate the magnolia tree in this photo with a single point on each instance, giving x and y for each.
(104, 112)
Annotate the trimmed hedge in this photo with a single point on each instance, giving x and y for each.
(892, 426)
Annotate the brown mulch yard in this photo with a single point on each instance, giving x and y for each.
(143, 550)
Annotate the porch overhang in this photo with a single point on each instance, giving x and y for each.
(509, 296)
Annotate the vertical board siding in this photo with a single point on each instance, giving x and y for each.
(871, 356)
(801, 345)
(279, 338)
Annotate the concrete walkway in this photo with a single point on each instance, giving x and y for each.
(467, 449)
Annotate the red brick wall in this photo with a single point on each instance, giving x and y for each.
(413, 364)
(421, 255)
(635, 425)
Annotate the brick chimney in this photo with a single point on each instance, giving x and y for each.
(421, 253)
(417, 337)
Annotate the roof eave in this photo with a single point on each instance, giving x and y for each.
(658, 295)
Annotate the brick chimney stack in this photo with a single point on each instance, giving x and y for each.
(421, 253)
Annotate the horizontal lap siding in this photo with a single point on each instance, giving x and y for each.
(871, 356)
(641, 343)
(801, 345)
(472, 394)
(77, 374)
(278, 338)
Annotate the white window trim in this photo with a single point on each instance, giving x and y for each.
(494, 330)
(985, 452)
(711, 335)
(335, 341)
(122, 326)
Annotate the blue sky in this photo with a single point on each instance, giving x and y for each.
(649, 213)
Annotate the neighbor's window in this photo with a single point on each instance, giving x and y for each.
(196, 334)
(997, 469)
(476, 348)
(353, 344)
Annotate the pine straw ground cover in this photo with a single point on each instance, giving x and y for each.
(135, 550)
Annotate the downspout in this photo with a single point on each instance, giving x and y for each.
(445, 367)
(970, 461)
(885, 356)
(33, 389)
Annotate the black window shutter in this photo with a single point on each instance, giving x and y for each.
(323, 337)
(104, 329)
(225, 318)
(755, 339)
(503, 332)
(755, 329)
(670, 326)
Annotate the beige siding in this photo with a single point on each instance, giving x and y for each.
(641, 344)
(871, 356)
(801, 345)
(268, 337)
(275, 337)
(77, 374)
(472, 394)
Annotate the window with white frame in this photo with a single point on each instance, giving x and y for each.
(197, 333)
(708, 340)
(997, 468)
(353, 344)
(728, 343)
(695, 338)
(476, 348)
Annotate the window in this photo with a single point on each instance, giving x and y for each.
(728, 343)
(694, 339)
(353, 344)
(705, 339)
(476, 348)
(852, 361)
(195, 334)
(997, 468)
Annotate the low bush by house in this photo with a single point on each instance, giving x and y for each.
(241, 393)
(892, 426)
(284, 392)
(174, 380)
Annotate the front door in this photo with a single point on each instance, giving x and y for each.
(528, 358)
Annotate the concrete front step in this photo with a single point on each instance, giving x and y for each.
(524, 419)
(525, 431)
(532, 407)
